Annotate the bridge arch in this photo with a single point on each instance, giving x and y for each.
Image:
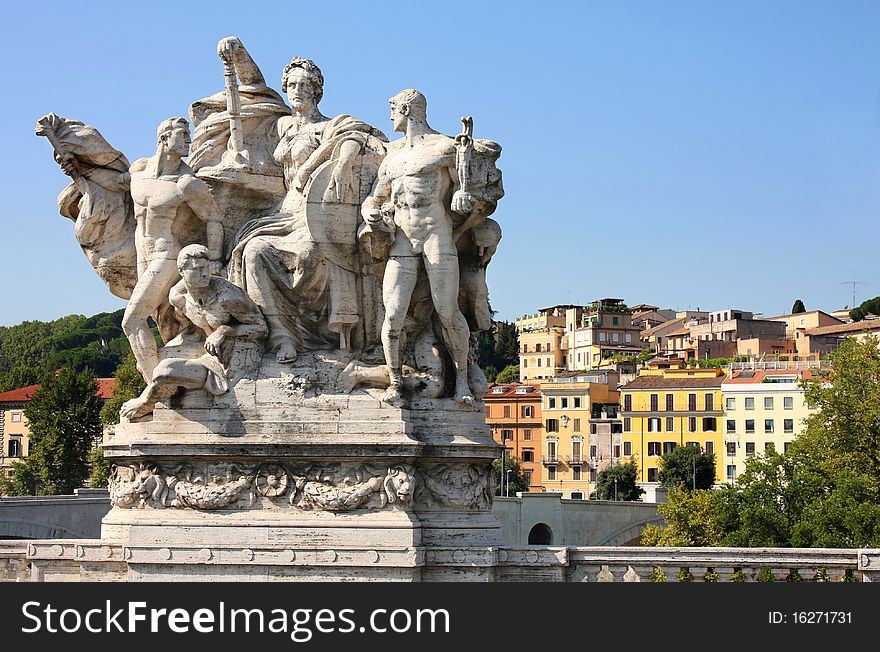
(541, 535)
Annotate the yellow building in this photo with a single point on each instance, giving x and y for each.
(665, 408)
(763, 410)
(569, 402)
(541, 355)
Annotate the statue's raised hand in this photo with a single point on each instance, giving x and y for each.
(226, 48)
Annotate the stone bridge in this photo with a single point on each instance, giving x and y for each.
(54, 517)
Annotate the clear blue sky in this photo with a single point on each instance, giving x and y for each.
(711, 154)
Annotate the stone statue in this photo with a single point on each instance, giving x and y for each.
(219, 313)
(300, 265)
(97, 200)
(417, 187)
(173, 208)
(254, 107)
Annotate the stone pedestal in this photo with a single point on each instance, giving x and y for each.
(272, 481)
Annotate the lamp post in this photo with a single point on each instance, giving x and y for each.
(507, 486)
(615, 489)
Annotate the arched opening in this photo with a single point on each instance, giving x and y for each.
(541, 535)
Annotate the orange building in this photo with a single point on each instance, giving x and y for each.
(513, 412)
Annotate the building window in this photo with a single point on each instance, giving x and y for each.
(615, 321)
(15, 448)
(668, 447)
(594, 452)
(527, 476)
(551, 402)
(629, 337)
(692, 402)
(709, 448)
(528, 455)
(525, 348)
(785, 446)
(654, 424)
(788, 402)
(709, 400)
(768, 402)
(506, 434)
(750, 449)
(768, 425)
(670, 424)
(551, 472)
(750, 426)
(548, 363)
(575, 473)
(563, 402)
(670, 402)
(788, 425)
(627, 424)
(551, 450)
(627, 449)
(488, 411)
(525, 363)
(653, 448)
(576, 449)
(576, 426)
(731, 425)
(692, 424)
(552, 425)
(616, 452)
(731, 471)
(730, 403)
(577, 495)
(538, 350)
(627, 402)
(653, 474)
(527, 411)
(577, 402)
(731, 448)
(506, 411)
(654, 403)
(769, 447)
(16, 417)
(750, 403)
(709, 424)
(693, 444)
(527, 434)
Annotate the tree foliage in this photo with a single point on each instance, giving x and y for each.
(798, 307)
(20, 376)
(496, 349)
(516, 477)
(99, 467)
(691, 520)
(64, 421)
(687, 466)
(510, 374)
(75, 341)
(626, 487)
(869, 307)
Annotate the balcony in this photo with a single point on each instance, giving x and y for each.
(550, 459)
(575, 459)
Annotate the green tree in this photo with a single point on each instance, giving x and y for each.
(99, 469)
(691, 520)
(869, 307)
(798, 307)
(506, 345)
(618, 482)
(510, 374)
(687, 466)
(129, 383)
(20, 376)
(64, 421)
(515, 477)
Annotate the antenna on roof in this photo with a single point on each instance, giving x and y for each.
(853, 283)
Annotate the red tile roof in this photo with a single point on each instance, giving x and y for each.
(759, 376)
(840, 329)
(105, 390)
(510, 390)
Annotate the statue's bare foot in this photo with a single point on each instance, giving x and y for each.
(286, 353)
(347, 379)
(393, 397)
(136, 407)
(463, 395)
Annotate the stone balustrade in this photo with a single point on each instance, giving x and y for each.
(615, 564)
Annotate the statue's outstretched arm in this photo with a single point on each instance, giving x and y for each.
(245, 68)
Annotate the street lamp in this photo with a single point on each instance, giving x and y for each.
(507, 488)
(615, 489)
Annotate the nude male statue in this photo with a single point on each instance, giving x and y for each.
(219, 313)
(411, 200)
(168, 198)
